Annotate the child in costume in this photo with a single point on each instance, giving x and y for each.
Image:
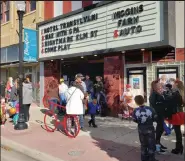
(128, 102)
(3, 112)
(144, 116)
(16, 116)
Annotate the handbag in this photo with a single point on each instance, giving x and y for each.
(177, 118)
(71, 94)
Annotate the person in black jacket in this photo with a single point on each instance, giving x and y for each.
(157, 102)
(174, 104)
(100, 95)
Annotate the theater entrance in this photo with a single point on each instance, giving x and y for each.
(91, 68)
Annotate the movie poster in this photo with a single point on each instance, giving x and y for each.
(136, 83)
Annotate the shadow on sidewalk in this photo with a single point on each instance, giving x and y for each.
(122, 143)
(43, 111)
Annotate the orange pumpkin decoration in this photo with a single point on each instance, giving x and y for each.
(12, 111)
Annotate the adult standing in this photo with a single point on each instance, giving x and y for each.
(27, 99)
(157, 102)
(99, 89)
(14, 93)
(74, 98)
(100, 95)
(89, 85)
(78, 84)
(176, 114)
(62, 89)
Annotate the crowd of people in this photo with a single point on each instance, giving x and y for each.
(166, 107)
(166, 104)
(81, 94)
(12, 98)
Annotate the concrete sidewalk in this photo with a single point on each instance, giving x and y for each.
(113, 140)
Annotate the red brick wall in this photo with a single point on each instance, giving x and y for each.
(113, 76)
(48, 9)
(179, 54)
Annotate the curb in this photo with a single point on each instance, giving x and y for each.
(37, 155)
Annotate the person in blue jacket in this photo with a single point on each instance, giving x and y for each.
(92, 109)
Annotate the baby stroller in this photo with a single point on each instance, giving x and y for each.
(126, 111)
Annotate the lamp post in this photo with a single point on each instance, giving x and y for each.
(21, 125)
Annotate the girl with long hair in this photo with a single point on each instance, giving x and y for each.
(177, 116)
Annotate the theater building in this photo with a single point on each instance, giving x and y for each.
(131, 42)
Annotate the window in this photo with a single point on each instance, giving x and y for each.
(5, 11)
(30, 6)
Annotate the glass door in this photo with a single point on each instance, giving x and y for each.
(136, 77)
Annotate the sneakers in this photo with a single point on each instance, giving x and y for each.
(160, 149)
(163, 147)
(28, 124)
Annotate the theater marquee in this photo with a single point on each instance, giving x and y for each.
(117, 24)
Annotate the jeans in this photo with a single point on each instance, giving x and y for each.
(62, 99)
(81, 120)
(25, 110)
(52, 106)
(178, 133)
(167, 129)
(159, 129)
(147, 139)
(99, 94)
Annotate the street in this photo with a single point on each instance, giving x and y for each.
(10, 155)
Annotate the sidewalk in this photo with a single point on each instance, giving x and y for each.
(113, 140)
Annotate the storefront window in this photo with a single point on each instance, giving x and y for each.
(27, 69)
(5, 11)
(30, 6)
(3, 55)
(12, 53)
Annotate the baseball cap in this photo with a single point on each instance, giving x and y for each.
(62, 80)
(79, 75)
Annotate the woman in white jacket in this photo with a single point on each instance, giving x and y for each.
(74, 98)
